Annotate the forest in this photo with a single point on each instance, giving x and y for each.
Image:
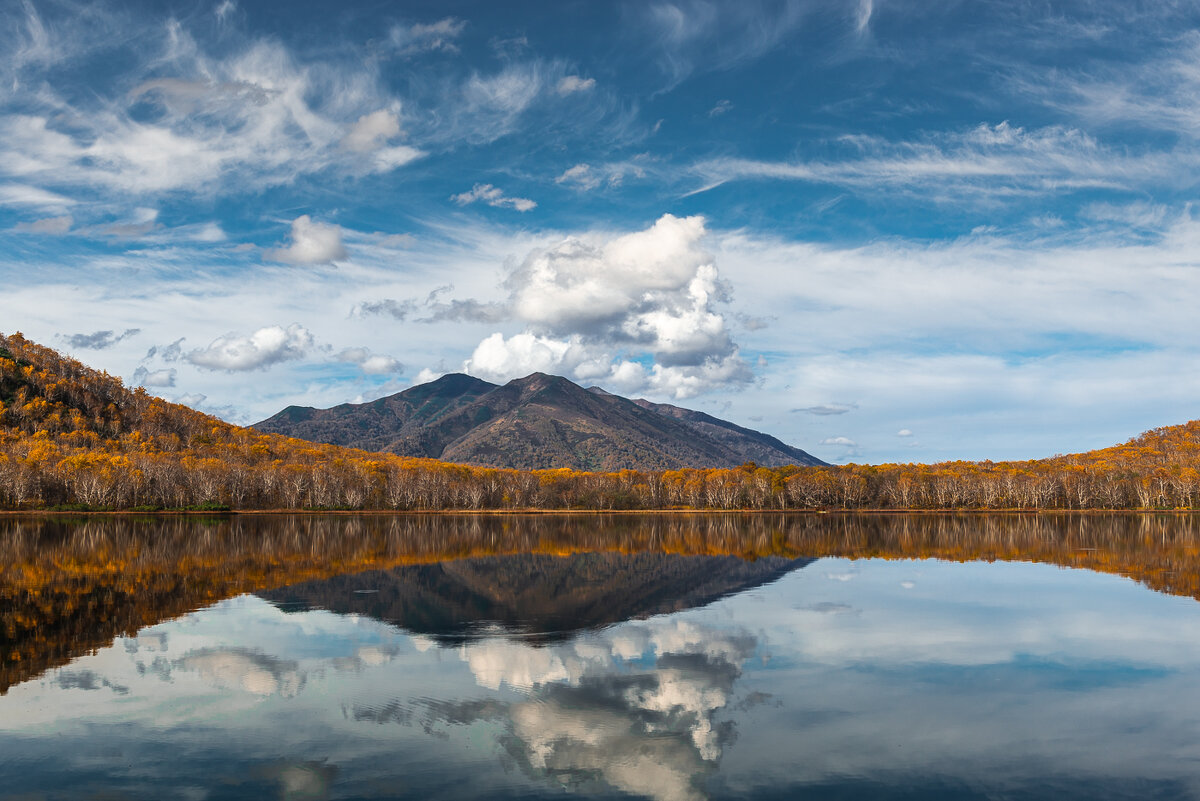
(74, 438)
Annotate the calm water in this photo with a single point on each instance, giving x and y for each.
(603, 657)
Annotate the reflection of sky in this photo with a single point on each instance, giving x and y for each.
(879, 678)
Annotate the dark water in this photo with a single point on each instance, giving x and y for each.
(669, 658)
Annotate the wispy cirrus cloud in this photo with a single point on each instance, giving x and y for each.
(493, 196)
(985, 162)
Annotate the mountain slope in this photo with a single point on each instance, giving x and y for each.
(540, 421)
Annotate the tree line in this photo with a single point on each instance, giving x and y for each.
(71, 436)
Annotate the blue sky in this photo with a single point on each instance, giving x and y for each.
(882, 231)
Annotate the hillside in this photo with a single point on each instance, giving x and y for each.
(75, 438)
(537, 422)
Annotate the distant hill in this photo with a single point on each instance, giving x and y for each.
(540, 421)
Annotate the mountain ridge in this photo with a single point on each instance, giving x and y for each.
(536, 422)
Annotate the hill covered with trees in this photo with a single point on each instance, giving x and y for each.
(75, 437)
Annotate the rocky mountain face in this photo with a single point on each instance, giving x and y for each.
(540, 421)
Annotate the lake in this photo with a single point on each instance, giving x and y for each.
(668, 657)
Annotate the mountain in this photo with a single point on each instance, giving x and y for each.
(540, 421)
(533, 595)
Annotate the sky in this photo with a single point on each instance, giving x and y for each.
(880, 230)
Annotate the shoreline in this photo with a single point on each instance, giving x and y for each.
(577, 512)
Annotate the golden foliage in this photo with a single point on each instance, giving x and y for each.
(72, 436)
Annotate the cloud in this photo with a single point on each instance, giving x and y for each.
(248, 117)
(493, 196)
(142, 222)
(263, 348)
(986, 162)
(25, 195)
(157, 378)
(418, 38)
(828, 409)
(863, 14)
(586, 177)
(311, 243)
(371, 130)
(580, 176)
(586, 300)
(370, 136)
(468, 310)
(844, 441)
(570, 84)
(497, 358)
(904, 432)
(492, 105)
(193, 399)
(99, 340)
(688, 36)
(396, 309)
(168, 353)
(722, 107)
(56, 226)
(371, 363)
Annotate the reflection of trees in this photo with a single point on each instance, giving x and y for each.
(67, 586)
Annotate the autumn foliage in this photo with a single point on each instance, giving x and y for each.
(71, 436)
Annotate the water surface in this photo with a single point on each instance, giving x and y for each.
(662, 657)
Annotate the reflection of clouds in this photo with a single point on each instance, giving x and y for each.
(828, 608)
(301, 781)
(563, 740)
(364, 657)
(632, 706)
(146, 641)
(495, 661)
(87, 680)
(239, 668)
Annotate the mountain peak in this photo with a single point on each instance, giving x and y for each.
(536, 421)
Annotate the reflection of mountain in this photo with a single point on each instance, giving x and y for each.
(535, 594)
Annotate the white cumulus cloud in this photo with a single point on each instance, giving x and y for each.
(371, 363)
(263, 348)
(311, 243)
(636, 311)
